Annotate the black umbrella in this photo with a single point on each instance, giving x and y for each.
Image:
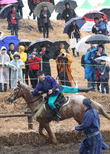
(37, 44)
(6, 9)
(106, 12)
(55, 49)
(98, 39)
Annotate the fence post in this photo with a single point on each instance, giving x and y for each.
(30, 119)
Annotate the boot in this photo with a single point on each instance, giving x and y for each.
(85, 90)
(57, 114)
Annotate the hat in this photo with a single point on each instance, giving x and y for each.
(62, 50)
(87, 102)
(3, 48)
(35, 49)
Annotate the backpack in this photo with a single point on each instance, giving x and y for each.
(83, 63)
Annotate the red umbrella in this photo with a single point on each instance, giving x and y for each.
(8, 1)
(93, 14)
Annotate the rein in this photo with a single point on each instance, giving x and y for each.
(20, 90)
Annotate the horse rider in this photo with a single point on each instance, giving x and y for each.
(92, 142)
(49, 85)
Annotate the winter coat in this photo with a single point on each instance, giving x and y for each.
(4, 72)
(59, 16)
(34, 62)
(103, 69)
(17, 17)
(65, 68)
(90, 125)
(49, 83)
(51, 1)
(46, 64)
(20, 4)
(70, 12)
(23, 55)
(89, 70)
(16, 71)
(43, 17)
(100, 27)
(71, 29)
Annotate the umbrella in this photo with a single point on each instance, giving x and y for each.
(56, 48)
(105, 58)
(6, 9)
(1, 34)
(37, 44)
(8, 1)
(81, 46)
(106, 12)
(79, 21)
(40, 6)
(93, 14)
(98, 39)
(60, 6)
(5, 41)
(23, 42)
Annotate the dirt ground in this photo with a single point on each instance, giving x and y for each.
(46, 149)
(14, 134)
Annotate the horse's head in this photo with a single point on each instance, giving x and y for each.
(16, 93)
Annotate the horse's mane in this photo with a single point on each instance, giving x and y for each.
(26, 86)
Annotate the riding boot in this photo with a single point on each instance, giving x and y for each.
(57, 114)
(85, 90)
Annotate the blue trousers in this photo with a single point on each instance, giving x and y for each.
(66, 89)
(5, 87)
(14, 28)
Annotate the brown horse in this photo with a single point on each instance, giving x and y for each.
(73, 109)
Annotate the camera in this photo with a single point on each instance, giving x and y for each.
(63, 54)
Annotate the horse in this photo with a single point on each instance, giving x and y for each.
(73, 109)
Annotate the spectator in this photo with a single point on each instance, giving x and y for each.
(13, 21)
(103, 71)
(90, 69)
(20, 6)
(32, 4)
(45, 15)
(4, 70)
(16, 70)
(68, 13)
(75, 30)
(61, 46)
(64, 61)
(27, 64)
(92, 46)
(34, 61)
(99, 27)
(45, 60)
(11, 49)
(59, 16)
(105, 22)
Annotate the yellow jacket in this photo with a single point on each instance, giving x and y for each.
(23, 55)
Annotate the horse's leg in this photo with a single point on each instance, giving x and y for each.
(79, 132)
(50, 133)
(41, 131)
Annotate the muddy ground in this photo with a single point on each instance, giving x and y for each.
(46, 149)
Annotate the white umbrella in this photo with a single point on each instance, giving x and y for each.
(105, 58)
(81, 46)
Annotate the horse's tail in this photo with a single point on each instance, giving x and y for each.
(100, 109)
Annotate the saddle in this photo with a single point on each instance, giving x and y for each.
(60, 102)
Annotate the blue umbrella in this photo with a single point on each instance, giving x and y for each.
(79, 21)
(5, 41)
(6, 9)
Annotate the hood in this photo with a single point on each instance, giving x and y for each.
(22, 48)
(16, 54)
(3, 47)
(62, 50)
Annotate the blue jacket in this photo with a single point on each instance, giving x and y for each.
(89, 70)
(17, 17)
(91, 122)
(49, 83)
(103, 69)
(101, 25)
